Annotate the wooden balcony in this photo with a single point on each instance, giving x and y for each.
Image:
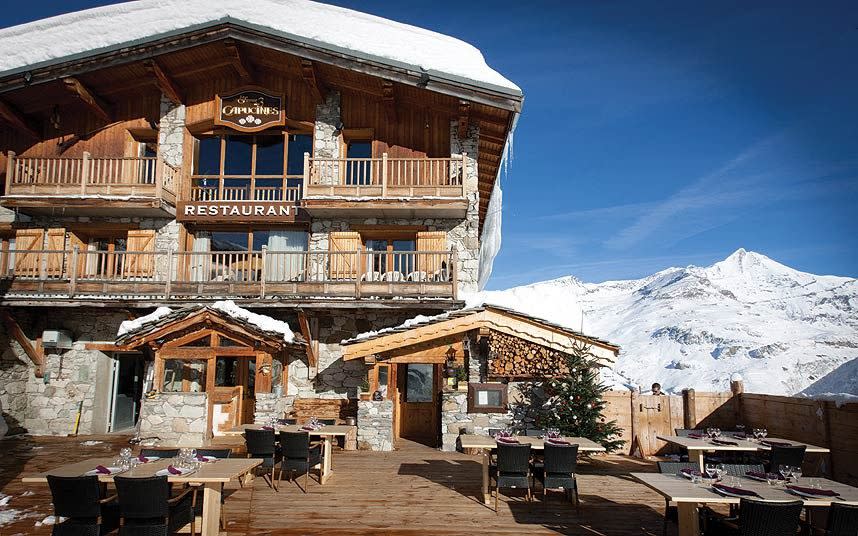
(387, 187)
(91, 186)
(158, 276)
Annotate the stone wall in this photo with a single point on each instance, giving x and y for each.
(465, 236)
(268, 404)
(456, 420)
(375, 425)
(49, 405)
(179, 419)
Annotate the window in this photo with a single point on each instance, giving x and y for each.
(487, 398)
(393, 258)
(182, 376)
(419, 384)
(261, 167)
(237, 255)
(357, 172)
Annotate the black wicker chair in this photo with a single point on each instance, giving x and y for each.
(671, 468)
(146, 508)
(842, 520)
(782, 455)
(760, 518)
(299, 457)
(740, 469)
(533, 432)
(558, 470)
(262, 444)
(216, 453)
(160, 453)
(79, 499)
(513, 469)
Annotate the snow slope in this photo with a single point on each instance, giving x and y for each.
(330, 27)
(781, 329)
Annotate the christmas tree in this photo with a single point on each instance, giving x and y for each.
(572, 403)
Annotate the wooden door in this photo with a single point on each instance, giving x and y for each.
(652, 414)
(419, 402)
(235, 372)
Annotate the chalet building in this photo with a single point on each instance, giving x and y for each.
(233, 166)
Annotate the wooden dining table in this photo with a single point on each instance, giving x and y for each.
(326, 433)
(697, 447)
(486, 444)
(689, 496)
(210, 476)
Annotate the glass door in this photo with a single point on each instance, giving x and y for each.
(126, 391)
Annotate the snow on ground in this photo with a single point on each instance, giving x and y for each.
(128, 326)
(7, 515)
(330, 27)
(781, 329)
(263, 322)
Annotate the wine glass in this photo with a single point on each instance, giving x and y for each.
(772, 478)
(711, 470)
(784, 470)
(763, 433)
(796, 473)
(716, 432)
(720, 470)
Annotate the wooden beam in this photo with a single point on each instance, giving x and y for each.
(165, 83)
(389, 100)
(18, 121)
(239, 61)
(304, 324)
(95, 104)
(464, 118)
(35, 352)
(311, 77)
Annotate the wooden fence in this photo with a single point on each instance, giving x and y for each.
(822, 423)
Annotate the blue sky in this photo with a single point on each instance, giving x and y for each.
(661, 134)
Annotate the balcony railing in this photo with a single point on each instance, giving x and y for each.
(171, 275)
(208, 190)
(88, 175)
(385, 177)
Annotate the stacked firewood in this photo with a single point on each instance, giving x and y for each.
(517, 358)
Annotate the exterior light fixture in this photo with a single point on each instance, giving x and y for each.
(28, 77)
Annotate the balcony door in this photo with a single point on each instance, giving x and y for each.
(389, 259)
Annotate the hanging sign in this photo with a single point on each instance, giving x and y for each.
(249, 110)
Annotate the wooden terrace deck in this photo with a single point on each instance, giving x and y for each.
(415, 490)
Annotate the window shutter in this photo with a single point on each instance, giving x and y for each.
(429, 258)
(26, 242)
(140, 258)
(56, 244)
(82, 257)
(343, 265)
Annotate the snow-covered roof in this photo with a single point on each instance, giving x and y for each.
(261, 324)
(101, 29)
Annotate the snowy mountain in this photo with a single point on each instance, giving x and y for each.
(783, 330)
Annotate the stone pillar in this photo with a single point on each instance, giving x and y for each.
(171, 132)
(179, 419)
(268, 404)
(375, 425)
(465, 237)
(326, 143)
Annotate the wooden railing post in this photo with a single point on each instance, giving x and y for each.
(306, 169)
(168, 283)
(454, 267)
(358, 271)
(464, 171)
(10, 171)
(262, 272)
(384, 175)
(84, 172)
(73, 274)
(159, 176)
(689, 409)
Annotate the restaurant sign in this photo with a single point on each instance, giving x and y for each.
(250, 110)
(236, 211)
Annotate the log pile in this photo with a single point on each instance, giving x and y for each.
(517, 358)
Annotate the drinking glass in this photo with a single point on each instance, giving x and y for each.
(711, 470)
(696, 480)
(763, 433)
(772, 479)
(720, 470)
(796, 473)
(784, 470)
(717, 432)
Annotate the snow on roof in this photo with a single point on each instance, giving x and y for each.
(333, 28)
(127, 326)
(263, 322)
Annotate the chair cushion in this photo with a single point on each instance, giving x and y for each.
(513, 480)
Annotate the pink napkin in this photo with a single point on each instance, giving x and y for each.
(143, 459)
(695, 436)
(814, 491)
(268, 428)
(509, 440)
(775, 443)
(307, 428)
(557, 441)
(102, 469)
(740, 436)
(201, 458)
(173, 471)
(691, 472)
(762, 476)
(724, 442)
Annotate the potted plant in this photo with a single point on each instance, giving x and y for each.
(461, 378)
(364, 389)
